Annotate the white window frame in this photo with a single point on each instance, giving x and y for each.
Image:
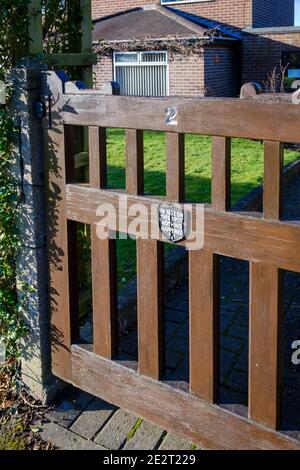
(140, 63)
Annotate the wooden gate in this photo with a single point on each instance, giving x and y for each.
(268, 243)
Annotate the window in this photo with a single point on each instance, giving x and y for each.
(142, 73)
(163, 2)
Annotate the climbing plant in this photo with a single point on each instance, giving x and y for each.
(13, 44)
(61, 32)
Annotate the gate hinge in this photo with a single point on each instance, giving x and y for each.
(42, 110)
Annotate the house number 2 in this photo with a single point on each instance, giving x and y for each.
(171, 114)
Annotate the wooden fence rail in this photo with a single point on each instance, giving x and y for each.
(268, 243)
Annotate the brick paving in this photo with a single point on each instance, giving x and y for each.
(80, 421)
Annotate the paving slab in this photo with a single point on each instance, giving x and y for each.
(115, 432)
(64, 439)
(146, 437)
(65, 413)
(93, 418)
(174, 442)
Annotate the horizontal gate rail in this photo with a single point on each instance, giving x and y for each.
(226, 233)
(266, 242)
(210, 426)
(225, 117)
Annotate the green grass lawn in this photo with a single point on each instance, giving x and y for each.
(246, 174)
(246, 169)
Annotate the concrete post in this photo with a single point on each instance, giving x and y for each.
(32, 270)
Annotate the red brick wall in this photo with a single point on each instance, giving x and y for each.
(268, 13)
(261, 53)
(210, 73)
(219, 71)
(103, 71)
(233, 12)
(186, 75)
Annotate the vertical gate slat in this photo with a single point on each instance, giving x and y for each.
(105, 312)
(59, 172)
(97, 157)
(204, 324)
(150, 280)
(221, 163)
(175, 167)
(134, 161)
(104, 270)
(265, 344)
(273, 171)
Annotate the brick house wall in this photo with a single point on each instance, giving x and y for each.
(186, 75)
(234, 12)
(239, 13)
(262, 51)
(103, 71)
(220, 72)
(272, 13)
(209, 73)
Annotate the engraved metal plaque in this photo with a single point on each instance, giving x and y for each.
(171, 222)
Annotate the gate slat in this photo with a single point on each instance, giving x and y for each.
(150, 303)
(175, 167)
(265, 342)
(105, 312)
(97, 157)
(104, 269)
(221, 162)
(56, 151)
(134, 161)
(204, 324)
(273, 171)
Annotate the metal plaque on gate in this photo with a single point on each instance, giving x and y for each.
(171, 222)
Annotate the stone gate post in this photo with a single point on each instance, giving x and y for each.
(32, 271)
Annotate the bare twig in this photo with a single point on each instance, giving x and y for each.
(183, 46)
(32, 405)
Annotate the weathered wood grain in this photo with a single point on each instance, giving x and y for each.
(207, 425)
(175, 167)
(226, 117)
(54, 139)
(204, 324)
(273, 182)
(268, 243)
(105, 304)
(134, 162)
(97, 157)
(265, 344)
(150, 303)
(230, 234)
(221, 173)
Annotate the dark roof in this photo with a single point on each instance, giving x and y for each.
(208, 23)
(150, 21)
